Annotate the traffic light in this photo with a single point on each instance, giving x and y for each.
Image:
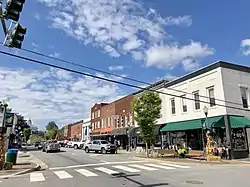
(13, 9)
(17, 36)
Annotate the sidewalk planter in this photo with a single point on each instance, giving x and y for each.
(11, 156)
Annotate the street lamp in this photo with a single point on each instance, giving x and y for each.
(205, 110)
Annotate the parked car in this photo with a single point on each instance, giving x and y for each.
(50, 146)
(102, 146)
(41, 144)
(37, 143)
(78, 145)
(69, 144)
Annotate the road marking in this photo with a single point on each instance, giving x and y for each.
(125, 168)
(159, 166)
(177, 166)
(86, 173)
(106, 170)
(97, 164)
(143, 167)
(74, 154)
(95, 155)
(63, 174)
(36, 177)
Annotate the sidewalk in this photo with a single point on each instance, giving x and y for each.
(26, 163)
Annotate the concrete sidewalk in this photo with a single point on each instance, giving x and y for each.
(26, 163)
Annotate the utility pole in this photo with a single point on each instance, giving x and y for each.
(3, 107)
(13, 36)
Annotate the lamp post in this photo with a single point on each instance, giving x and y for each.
(205, 110)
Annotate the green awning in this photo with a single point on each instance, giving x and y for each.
(239, 121)
(217, 121)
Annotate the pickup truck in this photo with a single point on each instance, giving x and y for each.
(102, 146)
(78, 145)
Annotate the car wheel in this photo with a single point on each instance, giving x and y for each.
(43, 150)
(103, 151)
(75, 147)
(96, 151)
(112, 152)
(87, 150)
(47, 151)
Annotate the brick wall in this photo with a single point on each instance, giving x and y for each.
(76, 130)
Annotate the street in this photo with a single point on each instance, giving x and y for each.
(76, 168)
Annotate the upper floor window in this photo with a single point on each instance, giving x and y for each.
(109, 121)
(102, 125)
(244, 96)
(98, 113)
(93, 115)
(98, 124)
(211, 96)
(184, 103)
(197, 104)
(172, 102)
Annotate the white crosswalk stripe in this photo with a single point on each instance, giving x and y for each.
(63, 174)
(176, 166)
(159, 166)
(143, 167)
(86, 173)
(125, 168)
(36, 177)
(106, 170)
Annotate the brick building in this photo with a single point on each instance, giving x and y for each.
(67, 131)
(112, 121)
(76, 131)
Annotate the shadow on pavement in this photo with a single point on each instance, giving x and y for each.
(125, 176)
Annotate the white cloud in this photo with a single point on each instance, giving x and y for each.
(55, 55)
(37, 16)
(116, 68)
(245, 47)
(169, 77)
(53, 94)
(168, 56)
(117, 26)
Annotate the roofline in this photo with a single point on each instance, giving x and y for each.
(151, 86)
(206, 69)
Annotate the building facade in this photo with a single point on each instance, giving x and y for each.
(76, 131)
(67, 132)
(111, 121)
(215, 97)
(86, 130)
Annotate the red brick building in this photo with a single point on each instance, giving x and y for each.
(73, 131)
(112, 121)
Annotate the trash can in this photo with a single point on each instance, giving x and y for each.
(11, 156)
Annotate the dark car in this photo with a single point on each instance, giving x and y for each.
(37, 144)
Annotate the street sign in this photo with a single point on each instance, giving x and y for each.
(9, 119)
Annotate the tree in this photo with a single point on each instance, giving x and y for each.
(147, 109)
(51, 134)
(51, 125)
(26, 134)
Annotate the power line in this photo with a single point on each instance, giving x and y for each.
(113, 74)
(108, 80)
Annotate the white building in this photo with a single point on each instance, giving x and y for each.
(86, 129)
(223, 88)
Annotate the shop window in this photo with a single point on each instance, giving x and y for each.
(197, 105)
(244, 97)
(211, 96)
(172, 101)
(184, 103)
(239, 139)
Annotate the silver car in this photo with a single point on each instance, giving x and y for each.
(51, 145)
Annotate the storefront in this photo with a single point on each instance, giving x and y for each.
(229, 131)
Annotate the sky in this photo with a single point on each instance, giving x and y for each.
(147, 40)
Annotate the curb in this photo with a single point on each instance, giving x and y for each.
(195, 161)
(36, 168)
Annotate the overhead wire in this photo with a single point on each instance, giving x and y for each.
(108, 80)
(120, 76)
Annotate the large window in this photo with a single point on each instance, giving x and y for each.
(98, 124)
(172, 102)
(244, 97)
(197, 105)
(211, 96)
(184, 103)
(93, 115)
(98, 113)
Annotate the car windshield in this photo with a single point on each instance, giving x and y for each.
(104, 142)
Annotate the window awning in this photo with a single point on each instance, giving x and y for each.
(217, 121)
(119, 131)
(239, 121)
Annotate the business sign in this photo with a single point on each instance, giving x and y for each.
(9, 119)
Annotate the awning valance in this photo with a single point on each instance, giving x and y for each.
(239, 121)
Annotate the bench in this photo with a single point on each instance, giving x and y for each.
(195, 154)
(167, 152)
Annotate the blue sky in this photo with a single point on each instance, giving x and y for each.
(146, 40)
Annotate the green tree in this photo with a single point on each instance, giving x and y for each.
(51, 125)
(26, 134)
(51, 134)
(147, 109)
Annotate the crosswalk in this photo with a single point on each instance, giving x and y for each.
(109, 170)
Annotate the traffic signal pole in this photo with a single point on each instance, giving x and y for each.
(2, 18)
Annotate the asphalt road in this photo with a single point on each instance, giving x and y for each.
(75, 168)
